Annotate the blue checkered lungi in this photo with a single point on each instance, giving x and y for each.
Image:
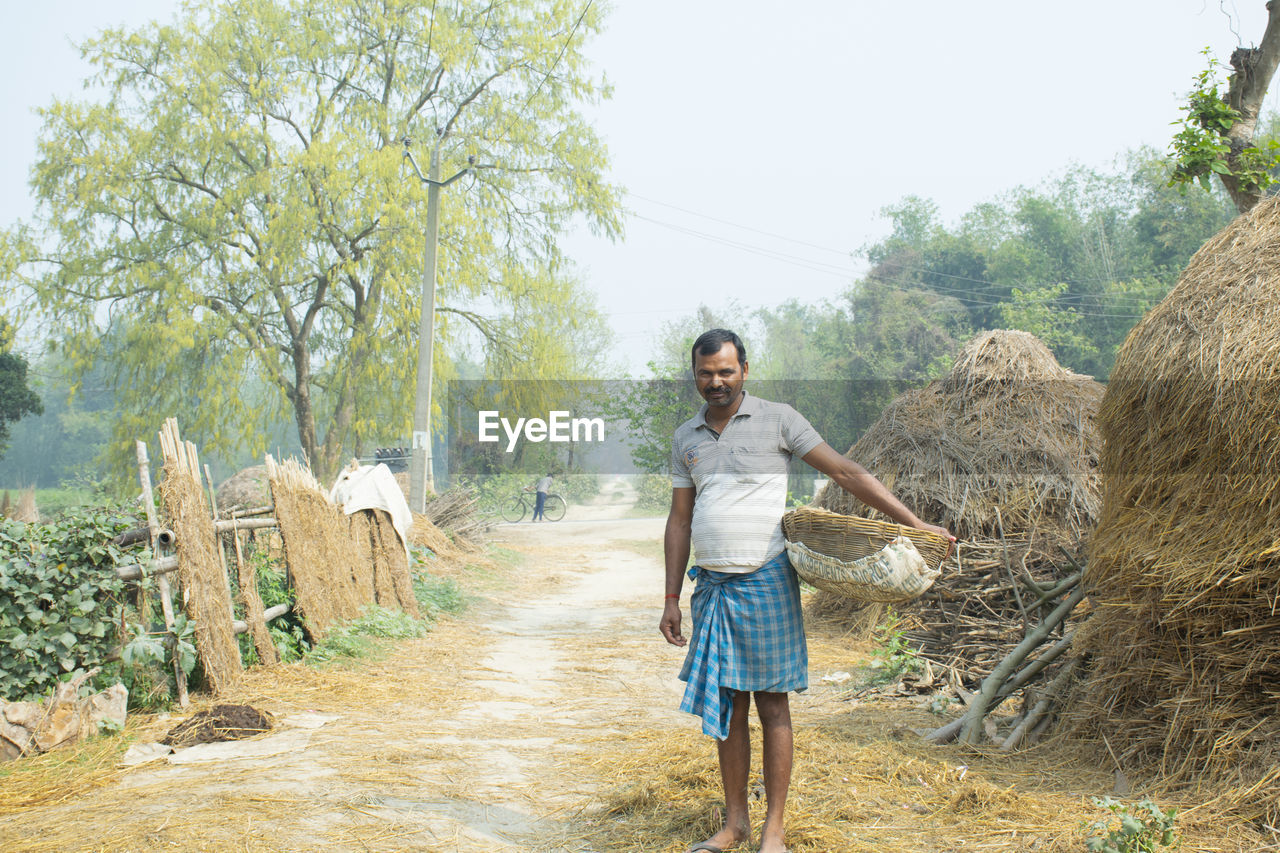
(748, 635)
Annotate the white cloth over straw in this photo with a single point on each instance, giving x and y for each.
(897, 572)
(374, 487)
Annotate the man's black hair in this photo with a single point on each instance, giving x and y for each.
(712, 341)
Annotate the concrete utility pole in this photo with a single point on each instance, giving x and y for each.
(421, 478)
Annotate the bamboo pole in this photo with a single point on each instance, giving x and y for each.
(257, 510)
(240, 626)
(162, 581)
(158, 568)
(234, 524)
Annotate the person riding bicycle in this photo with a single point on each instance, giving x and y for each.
(542, 487)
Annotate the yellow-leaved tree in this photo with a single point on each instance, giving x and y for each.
(233, 228)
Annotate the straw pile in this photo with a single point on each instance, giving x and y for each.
(1008, 427)
(322, 556)
(427, 534)
(206, 593)
(1003, 451)
(457, 511)
(245, 489)
(1185, 562)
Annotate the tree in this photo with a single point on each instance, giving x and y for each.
(238, 207)
(16, 398)
(1218, 134)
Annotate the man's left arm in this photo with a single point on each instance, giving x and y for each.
(863, 485)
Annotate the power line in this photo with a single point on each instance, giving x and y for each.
(759, 250)
(964, 296)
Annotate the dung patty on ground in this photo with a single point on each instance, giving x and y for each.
(221, 722)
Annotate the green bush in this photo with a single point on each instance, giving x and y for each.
(1143, 828)
(366, 636)
(287, 632)
(436, 595)
(577, 487)
(653, 492)
(61, 603)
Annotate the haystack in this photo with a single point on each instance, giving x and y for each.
(1008, 427)
(1003, 451)
(1185, 563)
(322, 557)
(244, 489)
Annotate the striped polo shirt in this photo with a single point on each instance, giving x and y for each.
(739, 480)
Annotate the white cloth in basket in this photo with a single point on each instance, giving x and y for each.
(897, 572)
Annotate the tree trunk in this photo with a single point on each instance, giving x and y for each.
(1252, 70)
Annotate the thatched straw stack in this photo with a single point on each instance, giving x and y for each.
(1003, 451)
(1008, 427)
(244, 489)
(391, 563)
(322, 556)
(1185, 564)
(386, 573)
(206, 593)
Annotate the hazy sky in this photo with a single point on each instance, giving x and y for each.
(759, 141)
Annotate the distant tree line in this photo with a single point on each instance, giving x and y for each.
(1075, 262)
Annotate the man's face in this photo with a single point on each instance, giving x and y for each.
(719, 377)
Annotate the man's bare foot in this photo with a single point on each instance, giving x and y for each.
(727, 838)
(771, 842)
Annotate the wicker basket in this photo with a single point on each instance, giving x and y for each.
(825, 548)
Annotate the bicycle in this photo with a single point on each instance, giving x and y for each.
(553, 510)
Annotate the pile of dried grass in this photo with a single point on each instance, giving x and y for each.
(245, 489)
(428, 535)
(206, 592)
(457, 510)
(1007, 428)
(1003, 451)
(1185, 563)
(323, 559)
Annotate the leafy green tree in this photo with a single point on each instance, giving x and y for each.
(1076, 262)
(16, 398)
(1219, 131)
(238, 207)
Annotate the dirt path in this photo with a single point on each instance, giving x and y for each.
(515, 725)
(464, 740)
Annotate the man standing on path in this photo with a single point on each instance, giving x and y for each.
(543, 487)
(729, 470)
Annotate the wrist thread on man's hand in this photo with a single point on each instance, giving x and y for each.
(670, 596)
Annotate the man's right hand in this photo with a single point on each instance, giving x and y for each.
(670, 624)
